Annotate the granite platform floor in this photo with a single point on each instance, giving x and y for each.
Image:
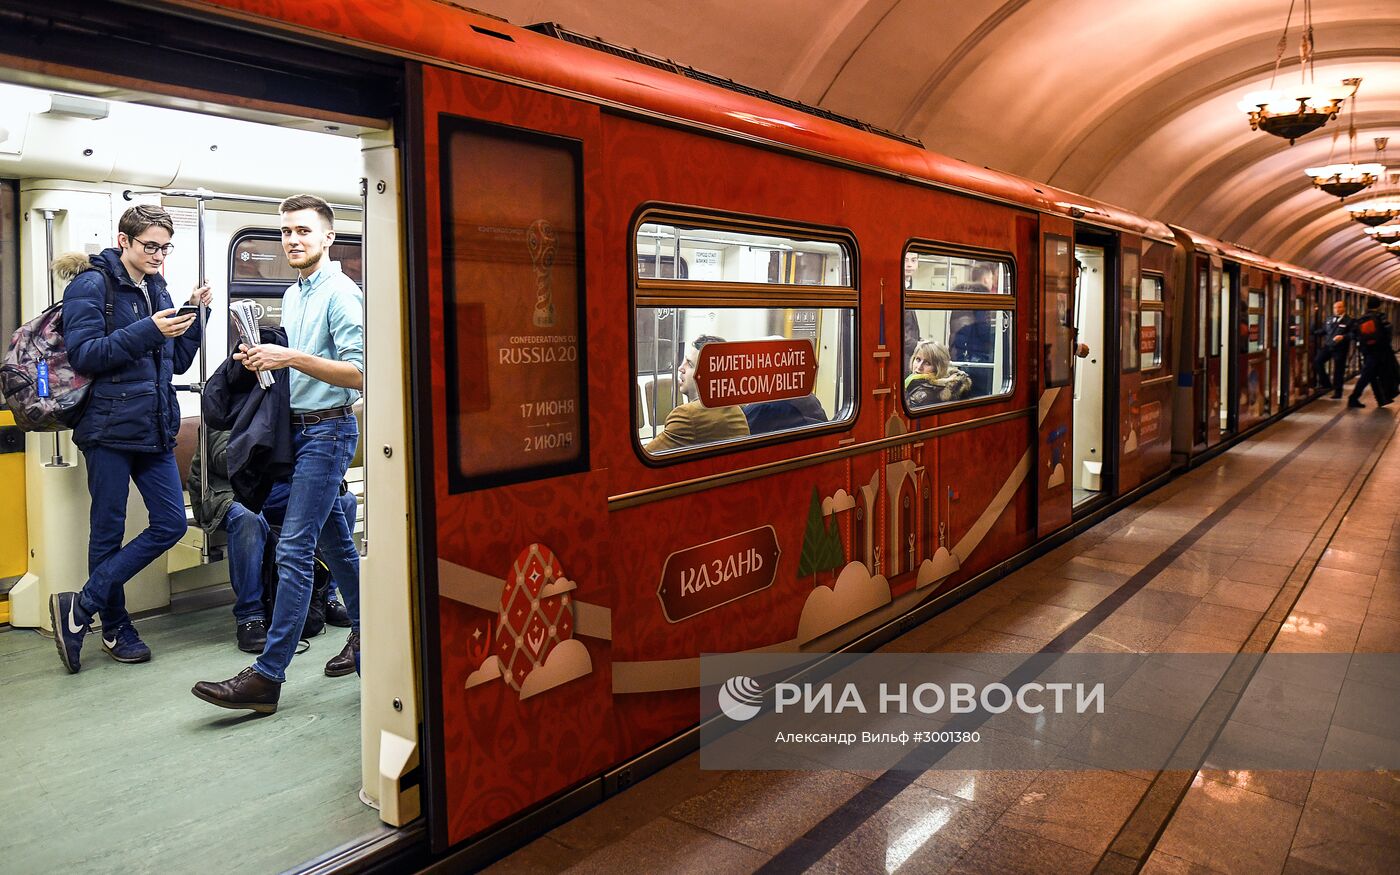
(120, 769)
(1288, 542)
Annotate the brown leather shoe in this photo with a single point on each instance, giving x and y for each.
(345, 661)
(247, 689)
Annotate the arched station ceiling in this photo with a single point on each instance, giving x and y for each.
(1131, 102)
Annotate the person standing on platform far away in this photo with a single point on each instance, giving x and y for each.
(1334, 343)
(123, 332)
(323, 314)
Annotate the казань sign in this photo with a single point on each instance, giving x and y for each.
(699, 578)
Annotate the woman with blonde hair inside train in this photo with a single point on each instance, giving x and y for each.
(932, 378)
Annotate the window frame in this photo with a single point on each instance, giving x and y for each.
(950, 300)
(458, 481)
(1158, 306)
(1262, 311)
(1130, 309)
(263, 287)
(671, 292)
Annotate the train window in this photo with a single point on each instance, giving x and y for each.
(1216, 293)
(1131, 312)
(1202, 307)
(512, 238)
(1254, 313)
(257, 257)
(258, 271)
(1150, 334)
(958, 328)
(723, 255)
(1299, 308)
(723, 358)
(943, 272)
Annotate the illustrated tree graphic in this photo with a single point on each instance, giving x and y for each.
(821, 544)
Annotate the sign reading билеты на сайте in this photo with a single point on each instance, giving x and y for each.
(747, 371)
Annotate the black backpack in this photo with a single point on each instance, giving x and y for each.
(320, 590)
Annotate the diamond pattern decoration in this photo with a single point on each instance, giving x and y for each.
(536, 613)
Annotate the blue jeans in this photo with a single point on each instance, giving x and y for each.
(110, 565)
(247, 539)
(313, 520)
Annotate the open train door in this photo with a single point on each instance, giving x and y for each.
(517, 614)
(1055, 418)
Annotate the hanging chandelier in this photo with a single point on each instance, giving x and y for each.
(1292, 112)
(1375, 213)
(1384, 234)
(1382, 206)
(1344, 180)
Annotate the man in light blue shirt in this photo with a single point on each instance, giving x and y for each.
(323, 314)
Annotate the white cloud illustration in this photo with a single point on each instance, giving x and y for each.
(490, 671)
(842, 500)
(855, 594)
(567, 661)
(938, 566)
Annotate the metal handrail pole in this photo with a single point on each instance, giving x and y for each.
(56, 460)
(203, 378)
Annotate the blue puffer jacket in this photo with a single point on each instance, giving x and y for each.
(132, 404)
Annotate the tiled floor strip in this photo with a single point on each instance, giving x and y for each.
(1135, 841)
(846, 819)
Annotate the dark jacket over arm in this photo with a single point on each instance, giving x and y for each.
(259, 422)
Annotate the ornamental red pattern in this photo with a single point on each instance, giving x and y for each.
(536, 614)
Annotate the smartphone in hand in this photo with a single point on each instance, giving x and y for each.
(186, 310)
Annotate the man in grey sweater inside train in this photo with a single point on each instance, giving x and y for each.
(323, 314)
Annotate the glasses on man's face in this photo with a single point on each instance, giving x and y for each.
(152, 248)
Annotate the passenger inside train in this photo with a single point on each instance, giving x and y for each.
(219, 179)
(932, 378)
(806, 328)
(692, 423)
(961, 345)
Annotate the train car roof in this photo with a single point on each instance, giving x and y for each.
(1235, 252)
(628, 80)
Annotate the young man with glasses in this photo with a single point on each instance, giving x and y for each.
(323, 314)
(123, 332)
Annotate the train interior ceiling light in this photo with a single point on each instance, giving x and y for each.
(1292, 112)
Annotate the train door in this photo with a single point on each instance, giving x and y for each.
(1214, 340)
(254, 154)
(518, 613)
(1095, 374)
(1055, 497)
(1199, 292)
(1229, 324)
(1127, 468)
(1278, 313)
(1251, 348)
(1299, 365)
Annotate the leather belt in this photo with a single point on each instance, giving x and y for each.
(315, 416)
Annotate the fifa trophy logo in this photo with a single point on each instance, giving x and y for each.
(540, 239)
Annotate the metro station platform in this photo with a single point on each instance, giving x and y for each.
(1288, 542)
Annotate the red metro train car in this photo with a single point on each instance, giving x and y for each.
(689, 368)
